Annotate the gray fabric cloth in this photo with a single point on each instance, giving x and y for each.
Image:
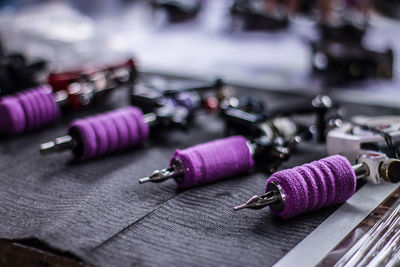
(98, 211)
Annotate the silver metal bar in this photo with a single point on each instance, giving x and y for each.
(361, 170)
(150, 118)
(175, 171)
(59, 144)
(258, 202)
(61, 97)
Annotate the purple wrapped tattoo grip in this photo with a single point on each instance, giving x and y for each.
(109, 132)
(212, 161)
(28, 110)
(315, 185)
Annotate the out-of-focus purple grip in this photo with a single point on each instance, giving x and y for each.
(212, 161)
(28, 110)
(315, 185)
(109, 132)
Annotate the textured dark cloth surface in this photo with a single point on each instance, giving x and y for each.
(98, 211)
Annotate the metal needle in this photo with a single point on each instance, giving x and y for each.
(258, 202)
(175, 171)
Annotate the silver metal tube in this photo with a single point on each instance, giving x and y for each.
(61, 97)
(150, 118)
(59, 144)
(361, 170)
(174, 172)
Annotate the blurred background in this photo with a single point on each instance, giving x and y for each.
(348, 49)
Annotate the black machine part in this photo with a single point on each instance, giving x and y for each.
(339, 57)
(17, 74)
(174, 102)
(255, 17)
(178, 10)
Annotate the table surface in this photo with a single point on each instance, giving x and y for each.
(98, 212)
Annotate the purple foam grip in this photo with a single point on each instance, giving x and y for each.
(28, 110)
(50, 111)
(12, 117)
(44, 112)
(101, 135)
(213, 161)
(122, 130)
(143, 128)
(30, 116)
(47, 93)
(88, 136)
(134, 135)
(314, 185)
(109, 132)
(53, 110)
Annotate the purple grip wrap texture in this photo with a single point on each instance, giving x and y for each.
(311, 186)
(12, 117)
(109, 132)
(28, 110)
(213, 161)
